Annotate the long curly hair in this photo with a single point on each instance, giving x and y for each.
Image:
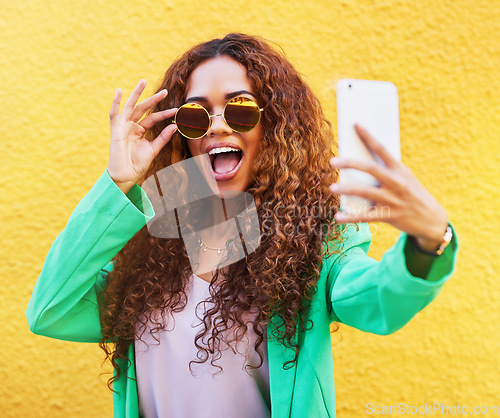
(294, 205)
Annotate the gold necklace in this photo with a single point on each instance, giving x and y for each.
(202, 244)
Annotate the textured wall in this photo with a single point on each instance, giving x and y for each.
(61, 62)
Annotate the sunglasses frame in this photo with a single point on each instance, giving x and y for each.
(219, 114)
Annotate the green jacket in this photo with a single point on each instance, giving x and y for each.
(374, 296)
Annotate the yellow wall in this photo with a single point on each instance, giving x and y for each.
(61, 62)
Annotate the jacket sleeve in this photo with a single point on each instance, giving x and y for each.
(382, 296)
(64, 302)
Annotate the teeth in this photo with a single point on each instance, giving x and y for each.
(222, 149)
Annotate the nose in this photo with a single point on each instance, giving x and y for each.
(218, 126)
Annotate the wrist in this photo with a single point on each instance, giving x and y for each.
(434, 234)
(428, 244)
(125, 187)
(432, 246)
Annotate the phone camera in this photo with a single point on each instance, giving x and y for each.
(350, 85)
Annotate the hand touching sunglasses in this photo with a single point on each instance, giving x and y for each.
(240, 113)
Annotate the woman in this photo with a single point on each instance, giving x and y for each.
(274, 306)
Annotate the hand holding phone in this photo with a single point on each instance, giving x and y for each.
(375, 185)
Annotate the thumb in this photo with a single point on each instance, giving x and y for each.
(163, 138)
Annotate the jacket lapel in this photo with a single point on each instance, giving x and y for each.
(281, 381)
(132, 407)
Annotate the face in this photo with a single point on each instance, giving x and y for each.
(211, 85)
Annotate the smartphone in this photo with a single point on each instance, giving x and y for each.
(375, 106)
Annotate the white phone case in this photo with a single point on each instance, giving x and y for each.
(374, 105)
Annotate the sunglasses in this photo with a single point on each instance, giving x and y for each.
(240, 113)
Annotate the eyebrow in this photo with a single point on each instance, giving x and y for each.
(228, 96)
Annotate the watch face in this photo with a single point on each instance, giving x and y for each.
(448, 235)
(446, 240)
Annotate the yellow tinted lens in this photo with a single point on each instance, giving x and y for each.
(192, 120)
(242, 114)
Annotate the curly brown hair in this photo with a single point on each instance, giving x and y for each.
(294, 205)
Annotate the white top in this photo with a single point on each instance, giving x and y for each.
(168, 389)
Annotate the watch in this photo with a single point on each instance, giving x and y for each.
(448, 235)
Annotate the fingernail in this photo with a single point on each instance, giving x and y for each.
(334, 187)
(333, 160)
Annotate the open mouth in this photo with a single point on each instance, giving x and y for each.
(225, 162)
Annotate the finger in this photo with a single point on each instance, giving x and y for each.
(132, 100)
(370, 193)
(142, 107)
(374, 214)
(156, 117)
(376, 146)
(115, 106)
(381, 173)
(162, 139)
